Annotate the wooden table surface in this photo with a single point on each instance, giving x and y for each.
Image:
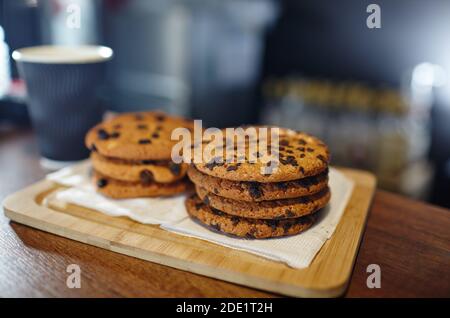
(409, 240)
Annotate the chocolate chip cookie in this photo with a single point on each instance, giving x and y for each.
(117, 189)
(256, 191)
(162, 171)
(276, 209)
(136, 136)
(245, 227)
(299, 155)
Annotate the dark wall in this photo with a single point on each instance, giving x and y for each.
(20, 20)
(330, 38)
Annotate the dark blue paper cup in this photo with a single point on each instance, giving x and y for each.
(62, 85)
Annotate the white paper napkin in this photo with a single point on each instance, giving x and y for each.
(73, 176)
(81, 192)
(297, 251)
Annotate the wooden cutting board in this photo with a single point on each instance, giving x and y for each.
(327, 276)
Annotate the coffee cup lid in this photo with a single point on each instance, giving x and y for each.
(55, 54)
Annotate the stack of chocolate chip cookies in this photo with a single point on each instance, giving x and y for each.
(238, 199)
(131, 156)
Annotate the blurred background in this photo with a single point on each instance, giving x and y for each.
(379, 97)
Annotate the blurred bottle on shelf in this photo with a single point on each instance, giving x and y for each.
(374, 128)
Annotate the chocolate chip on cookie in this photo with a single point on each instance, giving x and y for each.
(146, 177)
(232, 168)
(254, 190)
(102, 134)
(144, 141)
(114, 135)
(102, 183)
(175, 168)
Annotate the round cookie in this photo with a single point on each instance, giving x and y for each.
(255, 191)
(300, 156)
(136, 136)
(117, 189)
(278, 209)
(243, 227)
(158, 171)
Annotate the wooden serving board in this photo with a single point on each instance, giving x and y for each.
(327, 276)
